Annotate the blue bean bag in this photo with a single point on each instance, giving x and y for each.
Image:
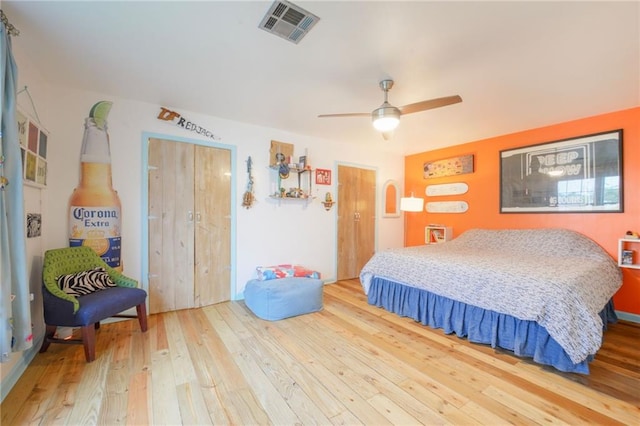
(274, 300)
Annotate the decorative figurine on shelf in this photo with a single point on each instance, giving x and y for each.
(632, 234)
(283, 168)
(294, 193)
(328, 201)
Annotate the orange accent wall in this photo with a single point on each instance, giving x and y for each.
(484, 196)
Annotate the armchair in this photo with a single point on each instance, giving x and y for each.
(86, 311)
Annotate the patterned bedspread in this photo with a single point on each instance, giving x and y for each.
(556, 277)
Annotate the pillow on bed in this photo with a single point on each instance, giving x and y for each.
(85, 282)
(285, 271)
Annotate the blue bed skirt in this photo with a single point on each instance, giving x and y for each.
(524, 338)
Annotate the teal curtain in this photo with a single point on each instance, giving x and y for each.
(15, 313)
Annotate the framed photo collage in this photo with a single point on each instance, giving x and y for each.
(33, 148)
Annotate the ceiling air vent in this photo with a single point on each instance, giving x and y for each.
(288, 21)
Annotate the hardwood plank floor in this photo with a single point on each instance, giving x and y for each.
(351, 363)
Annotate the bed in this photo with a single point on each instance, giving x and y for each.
(544, 294)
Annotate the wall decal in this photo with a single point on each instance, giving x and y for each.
(447, 207)
(168, 115)
(447, 189)
(95, 210)
(449, 167)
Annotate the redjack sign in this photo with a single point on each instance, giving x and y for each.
(180, 121)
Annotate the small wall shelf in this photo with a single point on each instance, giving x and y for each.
(435, 234)
(628, 253)
(302, 192)
(295, 199)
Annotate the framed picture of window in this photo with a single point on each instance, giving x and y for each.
(581, 174)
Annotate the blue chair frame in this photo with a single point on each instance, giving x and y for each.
(85, 312)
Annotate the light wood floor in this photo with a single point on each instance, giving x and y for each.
(352, 363)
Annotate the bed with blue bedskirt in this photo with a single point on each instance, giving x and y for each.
(544, 294)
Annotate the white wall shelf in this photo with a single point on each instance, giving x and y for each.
(301, 193)
(435, 234)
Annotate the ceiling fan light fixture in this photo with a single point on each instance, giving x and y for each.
(386, 118)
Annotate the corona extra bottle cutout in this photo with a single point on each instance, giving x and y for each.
(94, 206)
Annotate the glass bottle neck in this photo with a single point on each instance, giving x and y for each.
(95, 143)
(95, 175)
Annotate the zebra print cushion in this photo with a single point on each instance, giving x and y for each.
(85, 282)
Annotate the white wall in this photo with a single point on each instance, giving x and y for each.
(268, 233)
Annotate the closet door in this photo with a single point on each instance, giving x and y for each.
(212, 225)
(356, 220)
(189, 225)
(366, 226)
(171, 225)
(347, 196)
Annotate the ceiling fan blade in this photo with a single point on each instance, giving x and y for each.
(349, 114)
(430, 104)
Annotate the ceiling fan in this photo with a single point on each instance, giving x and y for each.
(387, 117)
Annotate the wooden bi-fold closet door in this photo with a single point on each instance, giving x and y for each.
(356, 219)
(189, 225)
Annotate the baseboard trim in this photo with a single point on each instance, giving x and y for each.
(628, 316)
(19, 368)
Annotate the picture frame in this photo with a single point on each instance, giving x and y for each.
(627, 257)
(323, 177)
(575, 175)
(453, 166)
(34, 141)
(34, 225)
(280, 152)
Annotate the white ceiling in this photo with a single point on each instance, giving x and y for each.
(517, 65)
